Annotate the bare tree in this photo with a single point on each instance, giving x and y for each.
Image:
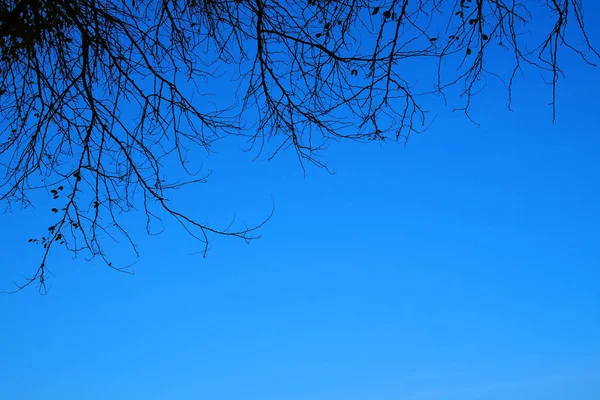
(307, 72)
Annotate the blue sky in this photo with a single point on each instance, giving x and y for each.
(465, 266)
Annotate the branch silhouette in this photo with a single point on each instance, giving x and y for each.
(99, 99)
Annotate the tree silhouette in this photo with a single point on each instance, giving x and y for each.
(98, 98)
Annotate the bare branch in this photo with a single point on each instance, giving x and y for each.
(101, 102)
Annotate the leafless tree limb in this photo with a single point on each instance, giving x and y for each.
(308, 72)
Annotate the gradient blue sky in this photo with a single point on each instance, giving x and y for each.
(465, 266)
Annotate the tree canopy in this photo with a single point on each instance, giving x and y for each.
(103, 101)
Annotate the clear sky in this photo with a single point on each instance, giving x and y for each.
(463, 267)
